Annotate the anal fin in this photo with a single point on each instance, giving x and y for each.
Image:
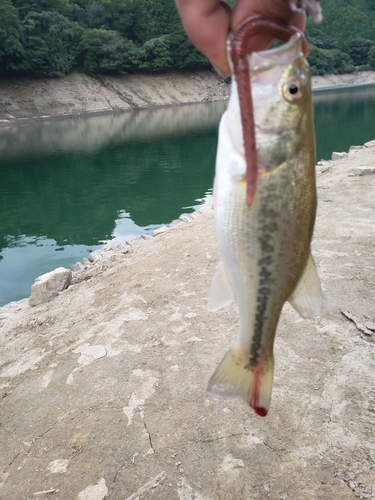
(233, 378)
(307, 298)
(220, 292)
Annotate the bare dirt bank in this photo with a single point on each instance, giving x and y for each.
(103, 389)
(360, 78)
(77, 94)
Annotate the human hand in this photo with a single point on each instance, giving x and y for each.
(208, 22)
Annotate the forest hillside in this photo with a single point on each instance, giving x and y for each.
(53, 37)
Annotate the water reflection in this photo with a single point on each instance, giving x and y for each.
(89, 134)
(70, 186)
(343, 117)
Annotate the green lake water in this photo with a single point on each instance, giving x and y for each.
(71, 186)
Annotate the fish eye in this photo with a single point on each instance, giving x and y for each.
(292, 91)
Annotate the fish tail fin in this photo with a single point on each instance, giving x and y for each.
(234, 378)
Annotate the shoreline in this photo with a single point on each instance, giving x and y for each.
(76, 95)
(79, 269)
(108, 381)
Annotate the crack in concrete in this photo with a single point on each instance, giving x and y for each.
(149, 437)
(10, 463)
(6, 430)
(46, 432)
(40, 436)
(211, 440)
(270, 447)
(115, 476)
(31, 444)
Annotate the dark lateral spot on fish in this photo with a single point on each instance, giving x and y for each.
(269, 213)
(259, 410)
(271, 227)
(265, 261)
(265, 245)
(264, 272)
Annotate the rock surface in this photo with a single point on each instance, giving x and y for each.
(338, 156)
(364, 171)
(49, 285)
(103, 389)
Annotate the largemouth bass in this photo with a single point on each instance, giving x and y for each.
(265, 247)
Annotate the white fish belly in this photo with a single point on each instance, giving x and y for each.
(264, 247)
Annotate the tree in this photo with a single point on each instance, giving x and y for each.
(116, 15)
(334, 61)
(342, 62)
(154, 19)
(346, 20)
(359, 50)
(50, 43)
(104, 51)
(155, 54)
(11, 49)
(371, 57)
(318, 38)
(321, 61)
(26, 7)
(43, 37)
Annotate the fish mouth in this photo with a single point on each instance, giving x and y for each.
(239, 56)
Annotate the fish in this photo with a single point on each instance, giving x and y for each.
(265, 245)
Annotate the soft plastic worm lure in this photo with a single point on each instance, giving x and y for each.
(239, 54)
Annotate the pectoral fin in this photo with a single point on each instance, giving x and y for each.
(220, 293)
(307, 298)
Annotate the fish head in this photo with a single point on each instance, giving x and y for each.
(281, 93)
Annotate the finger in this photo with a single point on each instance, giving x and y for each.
(299, 20)
(275, 10)
(207, 24)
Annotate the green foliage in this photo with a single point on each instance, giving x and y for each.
(117, 15)
(359, 50)
(334, 61)
(346, 20)
(319, 39)
(11, 49)
(154, 18)
(320, 60)
(50, 43)
(155, 54)
(371, 57)
(50, 37)
(102, 50)
(342, 62)
(27, 6)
